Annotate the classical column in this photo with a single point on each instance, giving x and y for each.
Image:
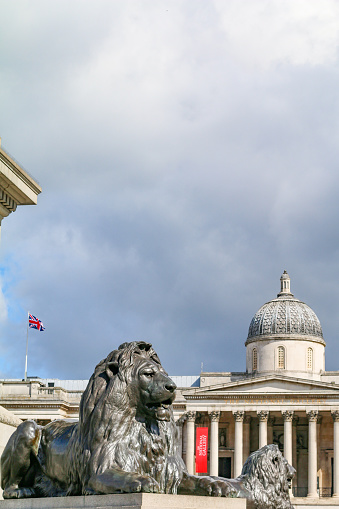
(335, 416)
(263, 417)
(246, 434)
(190, 442)
(180, 423)
(294, 448)
(312, 453)
(288, 417)
(270, 424)
(214, 444)
(238, 441)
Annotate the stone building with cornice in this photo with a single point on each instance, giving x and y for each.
(17, 187)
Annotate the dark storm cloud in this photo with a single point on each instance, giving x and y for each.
(187, 153)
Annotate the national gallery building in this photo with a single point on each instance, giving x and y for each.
(285, 397)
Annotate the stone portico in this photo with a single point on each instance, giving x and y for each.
(306, 430)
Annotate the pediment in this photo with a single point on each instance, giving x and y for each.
(273, 384)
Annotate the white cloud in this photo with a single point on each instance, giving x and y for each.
(178, 178)
(267, 33)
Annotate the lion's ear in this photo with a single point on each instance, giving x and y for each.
(144, 346)
(112, 368)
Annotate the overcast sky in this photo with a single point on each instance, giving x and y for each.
(188, 153)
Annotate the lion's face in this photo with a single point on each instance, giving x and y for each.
(272, 470)
(132, 381)
(151, 389)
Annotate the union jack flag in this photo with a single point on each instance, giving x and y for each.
(35, 323)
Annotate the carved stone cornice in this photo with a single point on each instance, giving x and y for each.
(288, 415)
(239, 415)
(264, 399)
(312, 415)
(16, 186)
(191, 415)
(335, 415)
(7, 202)
(263, 415)
(214, 415)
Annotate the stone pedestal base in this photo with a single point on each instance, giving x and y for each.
(128, 501)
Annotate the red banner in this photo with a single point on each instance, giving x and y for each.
(201, 450)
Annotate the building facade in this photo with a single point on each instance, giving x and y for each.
(17, 187)
(284, 397)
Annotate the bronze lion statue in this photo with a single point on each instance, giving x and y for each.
(265, 479)
(126, 439)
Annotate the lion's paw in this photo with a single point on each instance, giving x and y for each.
(88, 492)
(217, 487)
(144, 484)
(18, 492)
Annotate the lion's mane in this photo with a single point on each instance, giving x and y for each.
(266, 475)
(109, 434)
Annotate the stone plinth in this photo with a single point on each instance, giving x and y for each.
(128, 501)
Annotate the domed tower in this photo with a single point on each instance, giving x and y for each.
(285, 336)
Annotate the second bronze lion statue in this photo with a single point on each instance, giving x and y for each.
(126, 439)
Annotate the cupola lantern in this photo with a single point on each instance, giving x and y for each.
(285, 284)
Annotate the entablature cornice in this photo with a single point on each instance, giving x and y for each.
(18, 183)
(259, 381)
(264, 398)
(24, 406)
(285, 337)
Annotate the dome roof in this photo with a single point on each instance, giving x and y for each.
(285, 317)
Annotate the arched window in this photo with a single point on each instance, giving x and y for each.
(309, 358)
(254, 359)
(281, 357)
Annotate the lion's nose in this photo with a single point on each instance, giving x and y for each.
(291, 471)
(170, 386)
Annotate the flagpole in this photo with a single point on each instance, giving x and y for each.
(26, 348)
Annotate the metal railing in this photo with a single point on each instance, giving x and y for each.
(302, 492)
(299, 491)
(325, 492)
